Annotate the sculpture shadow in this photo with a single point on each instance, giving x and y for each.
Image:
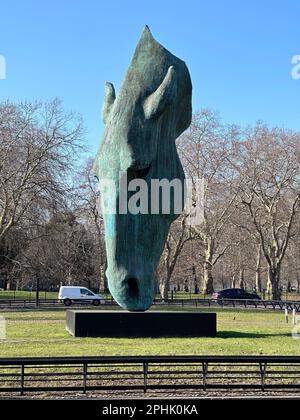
(238, 334)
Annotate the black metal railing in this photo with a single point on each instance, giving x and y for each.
(144, 373)
(46, 303)
(223, 303)
(246, 303)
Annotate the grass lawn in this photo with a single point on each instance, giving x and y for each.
(24, 294)
(240, 332)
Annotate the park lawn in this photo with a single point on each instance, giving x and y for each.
(240, 332)
(24, 294)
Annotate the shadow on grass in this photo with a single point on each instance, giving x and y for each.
(237, 334)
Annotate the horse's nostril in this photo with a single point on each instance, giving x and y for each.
(133, 287)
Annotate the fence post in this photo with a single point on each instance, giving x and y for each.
(145, 376)
(263, 368)
(22, 379)
(294, 315)
(204, 373)
(84, 377)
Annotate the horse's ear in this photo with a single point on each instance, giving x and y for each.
(109, 99)
(156, 103)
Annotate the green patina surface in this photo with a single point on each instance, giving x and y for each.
(142, 122)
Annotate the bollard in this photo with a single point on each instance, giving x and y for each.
(2, 328)
(294, 316)
(286, 312)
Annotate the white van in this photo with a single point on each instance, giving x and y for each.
(71, 294)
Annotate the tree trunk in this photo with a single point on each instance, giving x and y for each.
(241, 280)
(269, 284)
(164, 286)
(103, 286)
(37, 291)
(164, 289)
(258, 287)
(208, 280)
(233, 282)
(273, 283)
(103, 279)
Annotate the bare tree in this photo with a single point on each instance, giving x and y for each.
(204, 149)
(87, 205)
(179, 235)
(268, 165)
(38, 148)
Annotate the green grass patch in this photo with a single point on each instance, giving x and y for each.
(240, 332)
(24, 294)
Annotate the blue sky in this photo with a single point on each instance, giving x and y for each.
(238, 53)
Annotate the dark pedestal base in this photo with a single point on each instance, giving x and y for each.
(141, 324)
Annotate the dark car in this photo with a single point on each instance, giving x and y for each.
(235, 294)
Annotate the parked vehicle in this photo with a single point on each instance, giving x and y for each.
(235, 294)
(77, 294)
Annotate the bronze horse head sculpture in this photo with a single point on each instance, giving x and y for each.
(142, 122)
